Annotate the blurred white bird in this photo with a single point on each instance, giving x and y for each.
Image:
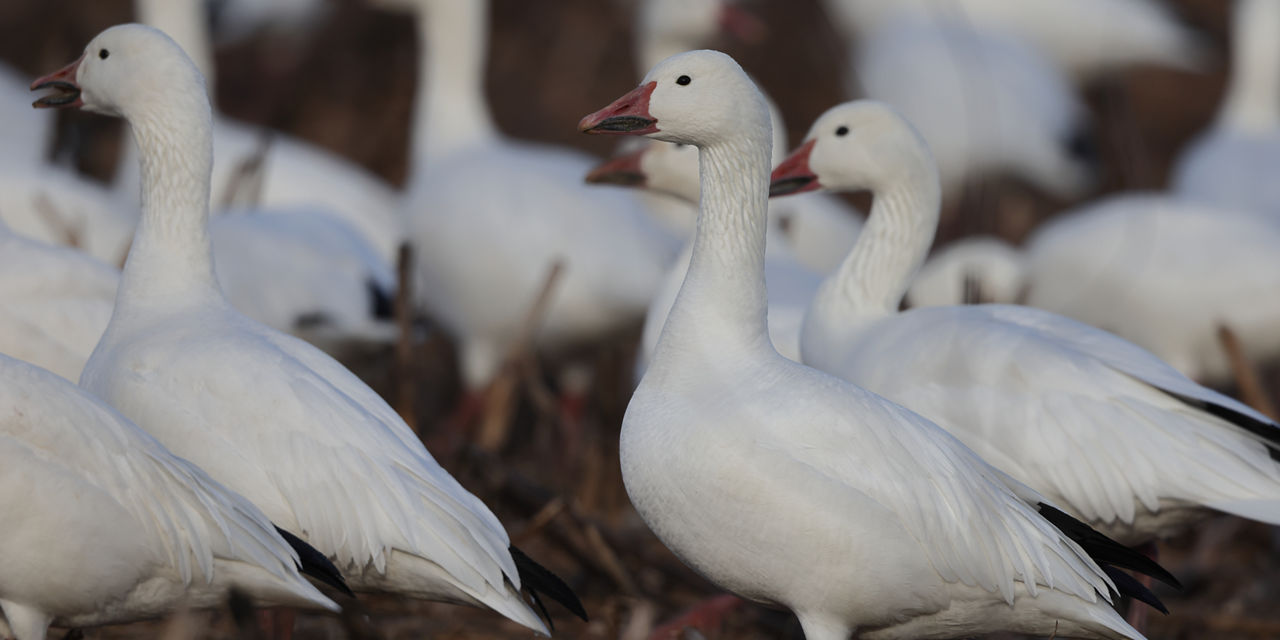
(982, 267)
(1233, 163)
(1083, 38)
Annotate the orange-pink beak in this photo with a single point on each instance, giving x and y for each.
(64, 82)
(621, 170)
(794, 175)
(628, 115)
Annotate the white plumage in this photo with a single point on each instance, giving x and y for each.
(1231, 164)
(273, 417)
(993, 266)
(488, 217)
(54, 303)
(1103, 428)
(790, 487)
(104, 525)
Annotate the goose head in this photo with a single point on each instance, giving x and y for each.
(122, 71)
(659, 166)
(699, 98)
(859, 145)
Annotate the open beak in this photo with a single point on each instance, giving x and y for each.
(63, 82)
(628, 115)
(623, 170)
(794, 175)
(742, 24)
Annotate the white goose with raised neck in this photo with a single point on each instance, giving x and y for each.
(1252, 101)
(450, 111)
(171, 260)
(873, 278)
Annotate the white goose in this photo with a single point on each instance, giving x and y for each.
(1083, 38)
(488, 216)
(791, 487)
(991, 264)
(271, 416)
(296, 175)
(1103, 428)
(113, 528)
(987, 103)
(1232, 163)
(25, 135)
(54, 303)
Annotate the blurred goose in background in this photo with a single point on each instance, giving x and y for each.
(294, 174)
(488, 216)
(986, 102)
(1102, 428)
(114, 528)
(273, 417)
(1233, 164)
(55, 303)
(968, 270)
(794, 489)
(307, 273)
(25, 134)
(237, 20)
(1165, 273)
(1082, 38)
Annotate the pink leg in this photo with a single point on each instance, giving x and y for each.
(1137, 616)
(706, 616)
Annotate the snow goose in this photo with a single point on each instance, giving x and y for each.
(986, 103)
(1165, 273)
(114, 528)
(985, 262)
(1103, 428)
(796, 489)
(25, 135)
(269, 415)
(484, 253)
(1083, 38)
(54, 303)
(1232, 163)
(311, 274)
(295, 174)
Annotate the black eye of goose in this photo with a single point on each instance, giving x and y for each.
(683, 80)
(103, 54)
(842, 131)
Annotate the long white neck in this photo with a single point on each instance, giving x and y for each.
(170, 260)
(184, 21)
(1253, 94)
(721, 305)
(450, 111)
(875, 275)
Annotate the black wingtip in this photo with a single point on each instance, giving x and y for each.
(1104, 550)
(1131, 588)
(537, 578)
(381, 301)
(1268, 431)
(313, 563)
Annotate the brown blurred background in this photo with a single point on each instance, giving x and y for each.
(347, 86)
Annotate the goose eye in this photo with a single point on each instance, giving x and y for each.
(683, 80)
(103, 54)
(842, 131)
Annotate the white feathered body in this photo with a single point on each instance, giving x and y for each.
(1085, 418)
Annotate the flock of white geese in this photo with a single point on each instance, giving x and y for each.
(944, 471)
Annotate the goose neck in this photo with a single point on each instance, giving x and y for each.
(890, 249)
(722, 304)
(1252, 101)
(171, 256)
(450, 110)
